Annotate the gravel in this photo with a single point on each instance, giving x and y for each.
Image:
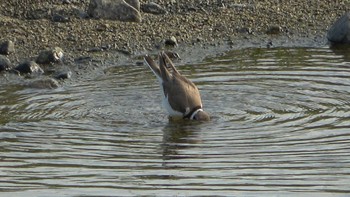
(36, 25)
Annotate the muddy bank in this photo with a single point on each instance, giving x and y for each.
(209, 26)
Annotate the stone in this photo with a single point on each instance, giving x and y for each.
(171, 41)
(274, 29)
(50, 56)
(5, 63)
(63, 74)
(115, 10)
(29, 67)
(49, 83)
(153, 8)
(340, 30)
(59, 18)
(7, 47)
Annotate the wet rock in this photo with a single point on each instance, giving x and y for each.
(29, 67)
(115, 10)
(5, 63)
(153, 8)
(63, 74)
(171, 41)
(50, 56)
(7, 47)
(44, 83)
(340, 30)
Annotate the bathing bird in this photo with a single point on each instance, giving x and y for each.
(180, 96)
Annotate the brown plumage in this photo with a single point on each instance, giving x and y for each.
(180, 96)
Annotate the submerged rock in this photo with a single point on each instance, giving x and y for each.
(340, 30)
(50, 56)
(7, 47)
(44, 83)
(115, 10)
(5, 63)
(29, 67)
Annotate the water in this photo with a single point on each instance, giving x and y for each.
(280, 126)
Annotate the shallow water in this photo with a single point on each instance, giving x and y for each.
(281, 126)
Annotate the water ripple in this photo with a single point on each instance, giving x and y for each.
(280, 126)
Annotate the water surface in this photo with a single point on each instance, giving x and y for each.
(280, 126)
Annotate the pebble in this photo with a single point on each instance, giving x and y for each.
(63, 74)
(340, 30)
(7, 47)
(171, 41)
(5, 63)
(29, 67)
(50, 56)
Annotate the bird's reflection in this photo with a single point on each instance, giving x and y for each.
(179, 136)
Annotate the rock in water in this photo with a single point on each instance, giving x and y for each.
(340, 30)
(5, 63)
(29, 67)
(50, 56)
(7, 47)
(44, 83)
(115, 10)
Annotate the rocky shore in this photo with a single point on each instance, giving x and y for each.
(35, 26)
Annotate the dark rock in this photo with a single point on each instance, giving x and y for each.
(50, 56)
(7, 47)
(5, 63)
(63, 74)
(29, 67)
(114, 10)
(171, 41)
(44, 83)
(274, 29)
(59, 18)
(79, 13)
(153, 8)
(340, 30)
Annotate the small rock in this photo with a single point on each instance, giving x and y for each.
(274, 29)
(63, 74)
(115, 10)
(171, 41)
(7, 47)
(50, 56)
(79, 13)
(340, 30)
(5, 63)
(29, 67)
(59, 18)
(153, 8)
(44, 83)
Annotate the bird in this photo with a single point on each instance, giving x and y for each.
(180, 96)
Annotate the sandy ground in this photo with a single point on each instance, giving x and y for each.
(196, 24)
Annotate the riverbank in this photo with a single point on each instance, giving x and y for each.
(194, 23)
